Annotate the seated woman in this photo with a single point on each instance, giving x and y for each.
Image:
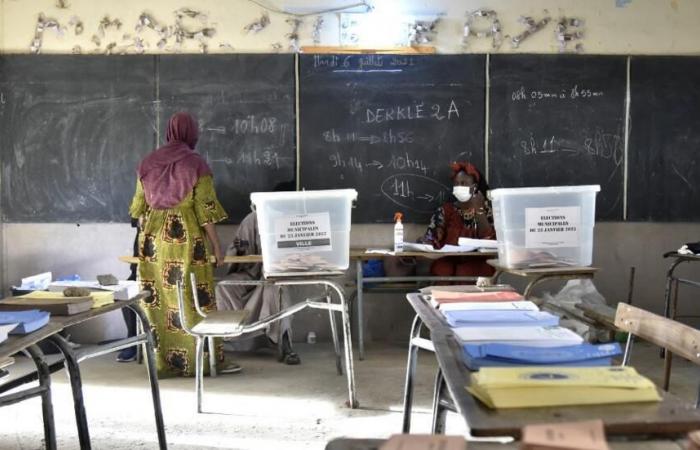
(261, 301)
(469, 216)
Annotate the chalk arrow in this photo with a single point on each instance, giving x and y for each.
(376, 164)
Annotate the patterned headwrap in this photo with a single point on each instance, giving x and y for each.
(466, 167)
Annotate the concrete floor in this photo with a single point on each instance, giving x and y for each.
(267, 406)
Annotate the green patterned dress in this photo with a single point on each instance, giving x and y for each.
(173, 244)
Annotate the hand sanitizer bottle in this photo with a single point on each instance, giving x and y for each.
(398, 233)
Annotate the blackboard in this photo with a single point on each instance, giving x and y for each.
(72, 129)
(245, 107)
(388, 126)
(559, 120)
(664, 143)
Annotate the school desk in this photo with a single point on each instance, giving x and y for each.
(28, 343)
(73, 358)
(668, 418)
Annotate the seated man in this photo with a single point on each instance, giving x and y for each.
(260, 301)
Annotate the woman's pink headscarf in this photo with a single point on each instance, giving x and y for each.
(169, 173)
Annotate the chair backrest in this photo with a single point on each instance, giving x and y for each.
(678, 338)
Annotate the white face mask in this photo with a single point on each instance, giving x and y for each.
(462, 193)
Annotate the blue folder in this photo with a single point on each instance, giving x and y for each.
(503, 355)
(501, 318)
(27, 321)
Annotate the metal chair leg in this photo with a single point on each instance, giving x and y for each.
(212, 356)
(334, 333)
(199, 371)
(347, 341)
(439, 412)
(410, 374)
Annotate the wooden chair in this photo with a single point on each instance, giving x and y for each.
(674, 336)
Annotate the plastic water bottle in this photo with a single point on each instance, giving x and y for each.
(398, 233)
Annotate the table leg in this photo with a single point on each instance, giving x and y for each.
(46, 405)
(334, 333)
(360, 309)
(410, 374)
(531, 285)
(668, 289)
(152, 376)
(439, 412)
(73, 368)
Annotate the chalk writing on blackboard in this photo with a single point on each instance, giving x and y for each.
(393, 162)
(350, 62)
(603, 145)
(572, 93)
(414, 192)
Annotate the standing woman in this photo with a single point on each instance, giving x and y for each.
(177, 207)
(469, 216)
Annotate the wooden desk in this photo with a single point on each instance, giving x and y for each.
(74, 356)
(28, 343)
(536, 276)
(375, 444)
(670, 417)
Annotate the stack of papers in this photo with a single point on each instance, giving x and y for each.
(478, 244)
(527, 387)
(427, 248)
(477, 356)
(489, 306)
(125, 290)
(24, 321)
(438, 297)
(505, 318)
(531, 336)
(53, 302)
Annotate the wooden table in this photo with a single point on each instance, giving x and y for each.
(536, 276)
(375, 444)
(670, 417)
(28, 343)
(73, 357)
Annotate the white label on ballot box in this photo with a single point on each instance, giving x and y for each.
(304, 231)
(552, 227)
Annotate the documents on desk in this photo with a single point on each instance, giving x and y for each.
(586, 435)
(489, 306)
(423, 442)
(531, 336)
(438, 297)
(54, 302)
(125, 290)
(527, 387)
(477, 356)
(5, 331)
(24, 322)
(506, 318)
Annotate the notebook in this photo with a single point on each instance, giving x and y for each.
(584, 435)
(532, 336)
(26, 321)
(477, 356)
(503, 318)
(527, 387)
